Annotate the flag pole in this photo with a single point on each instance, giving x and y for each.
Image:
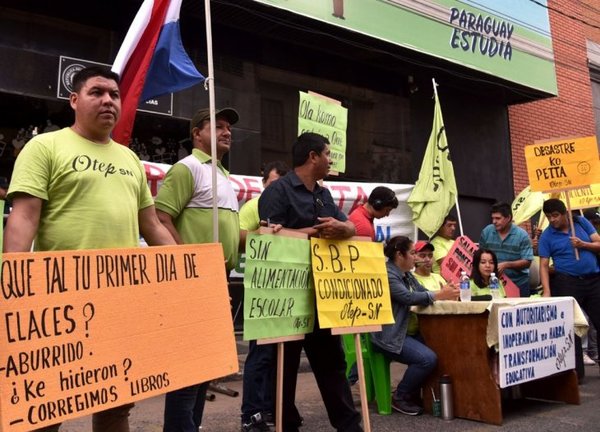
(460, 226)
(213, 127)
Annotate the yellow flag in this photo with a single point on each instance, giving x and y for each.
(435, 191)
(526, 205)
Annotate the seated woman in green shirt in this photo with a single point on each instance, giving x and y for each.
(485, 263)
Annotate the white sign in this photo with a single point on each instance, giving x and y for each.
(536, 340)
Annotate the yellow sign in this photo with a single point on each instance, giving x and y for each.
(84, 331)
(563, 164)
(326, 117)
(583, 197)
(351, 283)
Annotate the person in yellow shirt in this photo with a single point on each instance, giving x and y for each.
(249, 219)
(485, 263)
(443, 240)
(423, 267)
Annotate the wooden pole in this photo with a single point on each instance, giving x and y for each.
(364, 406)
(571, 222)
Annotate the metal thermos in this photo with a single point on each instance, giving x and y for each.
(446, 397)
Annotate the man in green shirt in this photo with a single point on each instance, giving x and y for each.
(184, 206)
(63, 192)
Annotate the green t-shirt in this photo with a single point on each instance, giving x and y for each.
(186, 195)
(249, 218)
(476, 291)
(92, 193)
(441, 247)
(431, 282)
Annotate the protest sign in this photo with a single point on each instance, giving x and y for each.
(535, 340)
(278, 291)
(326, 117)
(351, 283)
(562, 164)
(583, 197)
(460, 258)
(84, 331)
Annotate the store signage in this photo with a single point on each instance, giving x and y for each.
(69, 66)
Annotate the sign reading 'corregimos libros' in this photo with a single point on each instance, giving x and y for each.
(85, 331)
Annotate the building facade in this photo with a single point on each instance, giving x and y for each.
(377, 57)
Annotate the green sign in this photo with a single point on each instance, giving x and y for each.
(327, 118)
(279, 298)
(508, 39)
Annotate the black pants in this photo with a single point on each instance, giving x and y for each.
(587, 293)
(326, 357)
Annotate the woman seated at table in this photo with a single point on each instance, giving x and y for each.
(401, 341)
(485, 263)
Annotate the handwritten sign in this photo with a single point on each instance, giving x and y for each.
(351, 283)
(535, 340)
(328, 118)
(460, 258)
(84, 331)
(563, 164)
(278, 291)
(582, 198)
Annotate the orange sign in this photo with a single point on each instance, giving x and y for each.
(563, 164)
(84, 331)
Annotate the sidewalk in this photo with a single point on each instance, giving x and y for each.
(222, 414)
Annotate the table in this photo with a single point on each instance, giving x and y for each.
(463, 335)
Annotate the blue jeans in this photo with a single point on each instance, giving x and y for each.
(259, 380)
(184, 408)
(419, 358)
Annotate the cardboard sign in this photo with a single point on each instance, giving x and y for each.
(326, 117)
(460, 258)
(582, 198)
(84, 331)
(351, 283)
(563, 164)
(535, 340)
(279, 298)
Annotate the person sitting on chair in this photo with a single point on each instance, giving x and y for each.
(401, 341)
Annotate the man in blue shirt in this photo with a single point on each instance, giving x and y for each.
(579, 278)
(511, 245)
(297, 201)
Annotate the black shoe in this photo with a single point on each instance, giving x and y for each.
(257, 424)
(405, 406)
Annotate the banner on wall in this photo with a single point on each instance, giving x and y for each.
(506, 39)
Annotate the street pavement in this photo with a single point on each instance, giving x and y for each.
(222, 414)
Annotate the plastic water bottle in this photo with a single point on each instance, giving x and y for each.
(465, 287)
(494, 286)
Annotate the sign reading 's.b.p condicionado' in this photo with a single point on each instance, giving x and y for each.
(563, 164)
(84, 331)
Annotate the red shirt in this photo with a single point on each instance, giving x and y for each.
(363, 222)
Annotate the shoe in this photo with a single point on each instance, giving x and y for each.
(255, 427)
(268, 418)
(587, 360)
(405, 406)
(257, 424)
